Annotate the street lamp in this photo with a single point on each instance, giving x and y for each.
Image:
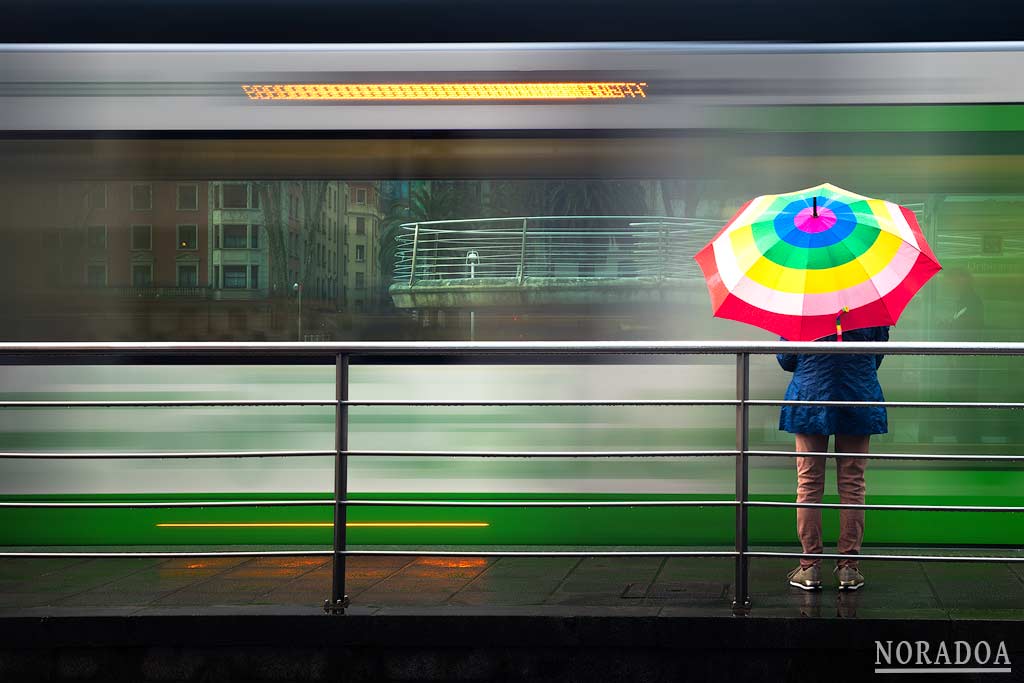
(472, 258)
(297, 288)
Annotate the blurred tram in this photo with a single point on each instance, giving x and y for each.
(699, 128)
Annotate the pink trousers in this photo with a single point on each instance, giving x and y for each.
(811, 487)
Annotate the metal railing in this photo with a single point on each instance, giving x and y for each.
(340, 354)
(551, 246)
(555, 246)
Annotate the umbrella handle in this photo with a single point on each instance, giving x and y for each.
(839, 324)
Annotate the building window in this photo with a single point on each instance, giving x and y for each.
(96, 275)
(216, 277)
(142, 275)
(360, 280)
(142, 237)
(96, 236)
(142, 196)
(236, 236)
(360, 252)
(188, 237)
(254, 236)
(234, 277)
(360, 196)
(188, 197)
(188, 275)
(360, 226)
(254, 277)
(98, 196)
(235, 196)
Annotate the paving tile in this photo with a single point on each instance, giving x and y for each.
(102, 599)
(16, 569)
(446, 567)
(497, 598)
(489, 583)
(976, 586)
(412, 598)
(1008, 614)
(526, 567)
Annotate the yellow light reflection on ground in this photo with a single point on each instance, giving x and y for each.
(597, 90)
(265, 525)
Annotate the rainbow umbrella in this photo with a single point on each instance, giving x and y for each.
(809, 263)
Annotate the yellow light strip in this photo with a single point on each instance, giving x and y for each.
(317, 524)
(597, 90)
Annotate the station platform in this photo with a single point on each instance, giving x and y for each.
(477, 618)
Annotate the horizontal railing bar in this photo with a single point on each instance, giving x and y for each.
(667, 219)
(867, 506)
(377, 503)
(407, 553)
(165, 504)
(161, 404)
(890, 404)
(917, 558)
(172, 554)
(288, 350)
(518, 553)
(542, 553)
(156, 455)
(547, 454)
(545, 503)
(529, 402)
(890, 456)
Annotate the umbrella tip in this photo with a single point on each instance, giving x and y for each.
(815, 206)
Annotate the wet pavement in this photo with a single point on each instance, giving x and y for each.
(646, 586)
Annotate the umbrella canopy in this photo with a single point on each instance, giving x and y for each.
(796, 264)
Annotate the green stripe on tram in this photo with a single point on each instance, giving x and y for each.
(924, 118)
(595, 526)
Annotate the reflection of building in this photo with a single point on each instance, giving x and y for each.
(144, 239)
(363, 285)
(268, 236)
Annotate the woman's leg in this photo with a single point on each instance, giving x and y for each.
(810, 486)
(850, 478)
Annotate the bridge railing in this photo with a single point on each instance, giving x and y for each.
(551, 246)
(342, 354)
(554, 246)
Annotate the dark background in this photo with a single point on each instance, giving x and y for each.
(431, 21)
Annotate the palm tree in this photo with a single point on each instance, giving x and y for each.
(429, 202)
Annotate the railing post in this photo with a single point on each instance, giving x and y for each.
(338, 600)
(741, 601)
(415, 242)
(522, 254)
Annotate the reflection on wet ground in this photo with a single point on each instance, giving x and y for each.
(629, 585)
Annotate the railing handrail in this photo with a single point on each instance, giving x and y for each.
(341, 353)
(496, 219)
(431, 348)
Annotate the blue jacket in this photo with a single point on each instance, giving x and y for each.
(835, 377)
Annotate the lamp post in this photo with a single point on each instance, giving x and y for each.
(297, 288)
(472, 258)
